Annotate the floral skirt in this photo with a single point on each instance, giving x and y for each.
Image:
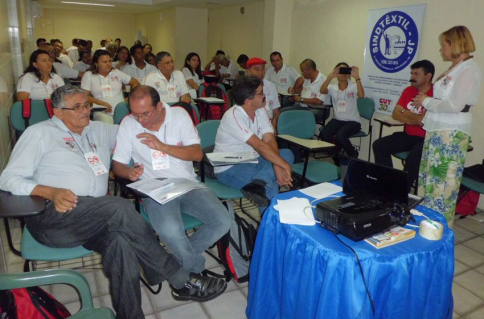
(443, 158)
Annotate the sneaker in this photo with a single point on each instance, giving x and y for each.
(256, 192)
(199, 288)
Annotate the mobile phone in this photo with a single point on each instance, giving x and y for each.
(344, 70)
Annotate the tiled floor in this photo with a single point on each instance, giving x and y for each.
(468, 288)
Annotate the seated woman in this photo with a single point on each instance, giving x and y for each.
(103, 85)
(39, 79)
(150, 58)
(193, 73)
(85, 61)
(346, 120)
(122, 58)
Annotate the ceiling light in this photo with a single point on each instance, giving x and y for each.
(89, 4)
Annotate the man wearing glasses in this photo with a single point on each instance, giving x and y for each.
(163, 143)
(169, 83)
(246, 128)
(66, 161)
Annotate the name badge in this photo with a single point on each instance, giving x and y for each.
(106, 91)
(159, 160)
(171, 91)
(95, 163)
(341, 106)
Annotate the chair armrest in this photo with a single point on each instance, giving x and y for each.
(307, 144)
(20, 206)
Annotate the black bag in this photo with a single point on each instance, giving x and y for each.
(236, 247)
(32, 303)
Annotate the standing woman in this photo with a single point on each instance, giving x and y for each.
(122, 58)
(448, 122)
(346, 121)
(193, 72)
(103, 85)
(39, 79)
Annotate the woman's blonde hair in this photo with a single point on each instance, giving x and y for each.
(460, 40)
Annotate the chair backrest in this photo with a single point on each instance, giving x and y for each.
(120, 111)
(38, 113)
(204, 85)
(366, 108)
(191, 109)
(208, 131)
(297, 123)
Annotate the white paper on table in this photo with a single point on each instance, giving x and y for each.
(321, 190)
(295, 211)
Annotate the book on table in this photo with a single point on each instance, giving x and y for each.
(163, 191)
(221, 159)
(391, 237)
(210, 100)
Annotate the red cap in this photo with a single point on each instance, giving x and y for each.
(254, 61)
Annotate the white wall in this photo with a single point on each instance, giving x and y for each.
(191, 34)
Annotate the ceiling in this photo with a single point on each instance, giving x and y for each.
(140, 6)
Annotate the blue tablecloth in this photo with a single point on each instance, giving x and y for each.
(305, 272)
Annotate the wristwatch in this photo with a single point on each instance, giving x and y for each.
(302, 100)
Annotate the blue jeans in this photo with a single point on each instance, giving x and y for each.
(167, 221)
(240, 175)
(112, 227)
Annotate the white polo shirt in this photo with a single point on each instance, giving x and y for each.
(284, 79)
(81, 66)
(170, 91)
(272, 98)
(177, 129)
(231, 69)
(39, 90)
(348, 97)
(236, 128)
(66, 60)
(311, 90)
(115, 78)
(137, 73)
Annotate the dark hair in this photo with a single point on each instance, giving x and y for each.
(220, 52)
(81, 53)
(117, 39)
(160, 55)
(82, 42)
(149, 55)
(244, 88)
(95, 58)
(74, 41)
(53, 41)
(309, 64)
(40, 40)
(242, 59)
(103, 43)
(32, 68)
(426, 66)
(275, 53)
(198, 71)
(89, 41)
(116, 58)
(142, 91)
(342, 63)
(135, 47)
(147, 44)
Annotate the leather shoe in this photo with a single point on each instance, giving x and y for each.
(256, 192)
(199, 288)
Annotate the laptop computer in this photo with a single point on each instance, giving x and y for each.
(370, 187)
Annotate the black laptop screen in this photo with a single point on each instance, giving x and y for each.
(362, 177)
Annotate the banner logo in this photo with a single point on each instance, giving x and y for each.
(393, 41)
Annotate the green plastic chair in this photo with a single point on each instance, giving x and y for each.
(58, 276)
(302, 124)
(120, 111)
(38, 113)
(366, 108)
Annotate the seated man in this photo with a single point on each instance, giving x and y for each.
(169, 83)
(246, 128)
(155, 128)
(139, 69)
(256, 67)
(310, 95)
(412, 138)
(227, 71)
(51, 160)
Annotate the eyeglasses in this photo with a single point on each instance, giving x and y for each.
(167, 63)
(144, 115)
(78, 108)
(261, 93)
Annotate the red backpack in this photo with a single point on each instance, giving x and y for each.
(213, 111)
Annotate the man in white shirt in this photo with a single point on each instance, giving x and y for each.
(58, 49)
(246, 128)
(309, 93)
(169, 83)
(139, 69)
(52, 159)
(163, 142)
(283, 76)
(256, 67)
(74, 54)
(228, 70)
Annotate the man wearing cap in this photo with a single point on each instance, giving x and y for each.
(246, 128)
(256, 68)
(283, 76)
